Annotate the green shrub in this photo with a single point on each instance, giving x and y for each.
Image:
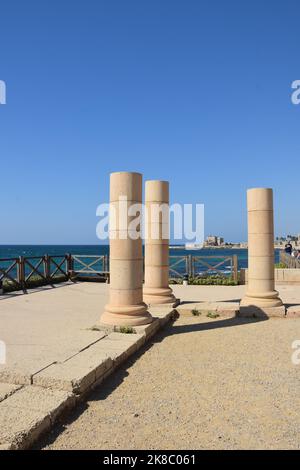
(175, 280)
(127, 330)
(212, 315)
(280, 266)
(196, 312)
(213, 280)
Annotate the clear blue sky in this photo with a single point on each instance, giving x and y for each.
(192, 91)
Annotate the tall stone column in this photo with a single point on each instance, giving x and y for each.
(126, 306)
(156, 287)
(261, 297)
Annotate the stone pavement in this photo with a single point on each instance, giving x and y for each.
(57, 352)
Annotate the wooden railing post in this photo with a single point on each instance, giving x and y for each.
(187, 265)
(47, 268)
(235, 268)
(21, 272)
(281, 257)
(190, 266)
(70, 265)
(107, 268)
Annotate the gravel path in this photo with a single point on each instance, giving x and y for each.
(202, 384)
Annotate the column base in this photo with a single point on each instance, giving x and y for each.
(262, 305)
(129, 315)
(159, 296)
(263, 300)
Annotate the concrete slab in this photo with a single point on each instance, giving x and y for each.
(23, 362)
(293, 311)
(288, 293)
(51, 402)
(20, 426)
(165, 305)
(7, 389)
(117, 349)
(47, 326)
(163, 313)
(256, 312)
(28, 413)
(76, 374)
(129, 338)
(148, 330)
(222, 308)
(197, 294)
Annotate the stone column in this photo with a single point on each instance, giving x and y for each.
(125, 307)
(261, 298)
(156, 287)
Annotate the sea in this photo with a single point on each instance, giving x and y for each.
(14, 251)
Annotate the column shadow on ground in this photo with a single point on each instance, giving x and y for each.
(34, 290)
(212, 325)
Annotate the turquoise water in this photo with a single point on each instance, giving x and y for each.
(14, 251)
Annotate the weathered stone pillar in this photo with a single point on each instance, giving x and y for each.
(261, 297)
(125, 307)
(156, 287)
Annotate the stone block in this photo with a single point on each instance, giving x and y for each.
(118, 350)
(7, 389)
(148, 330)
(47, 401)
(20, 427)
(77, 373)
(293, 311)
(15, 375)
(253, 311)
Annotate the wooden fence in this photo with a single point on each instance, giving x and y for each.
(30, 271)
(87, 266)
(289, 261)
(25, 272)
(198, 266)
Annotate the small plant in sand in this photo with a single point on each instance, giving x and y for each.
(127, 330)
(280, 265)
(196, 312)
(212, 315)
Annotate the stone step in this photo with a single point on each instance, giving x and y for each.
(221, 308)
(29, 412)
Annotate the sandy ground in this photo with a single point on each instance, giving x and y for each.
(201, 384)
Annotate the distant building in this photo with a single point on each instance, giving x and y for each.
(213, 240)
(220, 241)
(244, 245)
(281, 241)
